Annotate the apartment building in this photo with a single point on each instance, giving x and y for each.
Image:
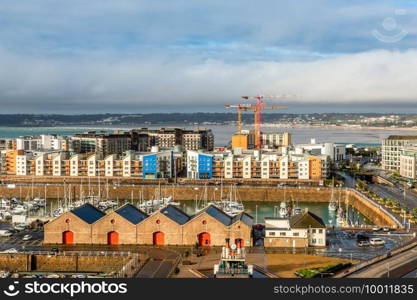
(254, 164)
(270, 140)
(164, 164)
(275, 140)
(189, 139)
(199, 165)
(391, 150)
(336, 152)
(6, 144)
(408, 162)
(28, 143)
(102, 144)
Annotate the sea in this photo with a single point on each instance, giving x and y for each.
(360, 137)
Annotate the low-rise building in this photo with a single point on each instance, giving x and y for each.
(298, 231)
(168, 226)
(336, 152)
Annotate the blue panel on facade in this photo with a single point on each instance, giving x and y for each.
(205, 166)
(150, 165)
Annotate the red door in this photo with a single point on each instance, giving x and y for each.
(67, 237)
(112, 238)
(158, 238)
(204, 239)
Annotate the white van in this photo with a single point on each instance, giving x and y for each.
(376, 242)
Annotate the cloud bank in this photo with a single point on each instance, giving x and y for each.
(135, 56)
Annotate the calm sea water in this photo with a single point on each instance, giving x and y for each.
(223, 133)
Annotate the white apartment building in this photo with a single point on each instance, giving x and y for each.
(58, 164)
(109, 165)
(336, 152)
(23, 164)
(391, 150)
(75, 165)
(92, 169)
(408, 162)
(28, 143)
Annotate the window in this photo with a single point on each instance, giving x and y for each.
(320, 230)
(314, 241)
(296, 234)
(282, 234)
(313, 230)
(271, 233)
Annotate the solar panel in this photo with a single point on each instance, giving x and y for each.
(88, 213)
(175, 214)
(219, 215)
(131, 213)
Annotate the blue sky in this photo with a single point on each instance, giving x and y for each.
(142, 56)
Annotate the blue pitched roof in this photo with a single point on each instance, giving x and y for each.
(245, 218)
(131, 213)
(218, 214)
(175, 214)
(88, 213)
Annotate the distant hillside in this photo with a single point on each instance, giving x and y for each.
(17, 120)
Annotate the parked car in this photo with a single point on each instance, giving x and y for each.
(6, 233)
(376, 228)
(376, 242)
(20, 227)
(11, 250)
(386, 229)
(361, 237)
(54, 250)
(27, 237)
(364, 243)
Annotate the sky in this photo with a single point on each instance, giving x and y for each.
(123, 56)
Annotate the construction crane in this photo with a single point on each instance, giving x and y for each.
(240, 108)
(257, 107)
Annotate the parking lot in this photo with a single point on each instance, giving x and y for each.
(16, 241)
(344, 244)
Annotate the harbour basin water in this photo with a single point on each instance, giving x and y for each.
(262, 210)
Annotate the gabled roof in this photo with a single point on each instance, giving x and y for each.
(131, 213)
(88, 213)
(245, 218)
(306, 220)
(175, 214)
(218, 214)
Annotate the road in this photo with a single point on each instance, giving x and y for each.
(405, 197)
(394, 267)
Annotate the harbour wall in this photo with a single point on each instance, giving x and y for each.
(370, 210)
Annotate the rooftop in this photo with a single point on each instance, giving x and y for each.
(175, 214)
(131, 213)
(88, 213)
